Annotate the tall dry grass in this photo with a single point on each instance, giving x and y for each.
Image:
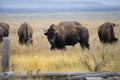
(23, 58)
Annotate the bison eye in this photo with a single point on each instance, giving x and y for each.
(56, 33)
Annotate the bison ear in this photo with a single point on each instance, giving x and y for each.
(45, 32)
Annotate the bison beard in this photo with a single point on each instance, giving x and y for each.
(59, 36)
(106, 33)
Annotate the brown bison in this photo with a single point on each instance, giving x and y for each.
(5, 28)
(25, 34)
(59, 36)
(106, 33)
(1, 34)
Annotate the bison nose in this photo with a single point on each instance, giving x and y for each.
(52, 41)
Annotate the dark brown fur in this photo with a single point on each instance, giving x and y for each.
(25, 34)
(5, 28)
(1, 34)
(106, 33)
(67, 35)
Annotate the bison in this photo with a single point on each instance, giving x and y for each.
(106, 33)
(61, 35)
(5, 28)
(25, 33)
(1, 34)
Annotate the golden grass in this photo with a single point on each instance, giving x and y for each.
(39, 56)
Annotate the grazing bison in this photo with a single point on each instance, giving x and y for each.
(25, 34)
(5, 28)
(1, 34)
(106, 33)
(59, 36)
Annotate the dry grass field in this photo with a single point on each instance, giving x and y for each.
(100, 57)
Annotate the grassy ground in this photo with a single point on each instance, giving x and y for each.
(99, 58)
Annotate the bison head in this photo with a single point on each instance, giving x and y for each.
(51, 34)
(28, 41)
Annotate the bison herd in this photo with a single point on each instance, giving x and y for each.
(66, 33)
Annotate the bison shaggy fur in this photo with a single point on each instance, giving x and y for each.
(106, 33)
(67, 33)
(5, 28)
(25, 33)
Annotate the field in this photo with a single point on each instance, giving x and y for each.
(100, 57)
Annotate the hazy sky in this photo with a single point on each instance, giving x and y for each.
(56, 3)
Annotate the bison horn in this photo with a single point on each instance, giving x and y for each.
(56, 32)
(45, 30)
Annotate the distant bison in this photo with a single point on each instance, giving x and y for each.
(62, 34)
(5, 28)
(25, 34)
(1, 34)
(106, 33)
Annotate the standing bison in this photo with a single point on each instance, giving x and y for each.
(5, 28)
(64, 34)
(106, 33)
(25, 34)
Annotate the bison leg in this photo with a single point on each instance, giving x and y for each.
(61, 48)
(1, 39)
(31, 42)
(52, 48)
(100, 36)
(105, 39)
(87, 45)
(82, 44)
(25, 40)
(21, 40)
